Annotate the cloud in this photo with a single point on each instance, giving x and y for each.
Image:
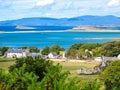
(44, 2)
(114, 3)
(57, 8)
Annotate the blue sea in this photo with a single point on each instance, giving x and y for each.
(42, 39)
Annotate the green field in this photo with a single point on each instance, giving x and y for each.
(74, 66)
(6, 65)
(67, 66)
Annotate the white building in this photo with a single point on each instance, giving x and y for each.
(35, 54)
(52, 55)
(118, 56)
(98, 59)
(16, 53)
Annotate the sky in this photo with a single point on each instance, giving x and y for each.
(16, 9)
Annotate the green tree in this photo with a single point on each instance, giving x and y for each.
(46, 50)
(89, 46)
(34, 49)
(76, 46)
(55, 79)
(56, 48)
(23, 47)
(111, 76)
(72, 53)
(18, 79)
(36, 65)
(3, 50)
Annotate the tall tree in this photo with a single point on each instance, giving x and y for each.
(34, 49)
(111, 76)
(46, 50)
(3, 50)
(56, 48)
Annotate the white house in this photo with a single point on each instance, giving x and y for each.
(52, 55)
(98, 59)
(16, 53)
(118, 56)
(35, 54)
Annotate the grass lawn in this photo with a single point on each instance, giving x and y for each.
(6, 65)
(74, 66)
(67, 66)
(5, 59)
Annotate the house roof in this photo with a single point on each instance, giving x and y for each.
(17, 51)
(35, 54)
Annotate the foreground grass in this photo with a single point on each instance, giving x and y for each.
(74, 66)
(6, 59)
(5, 63)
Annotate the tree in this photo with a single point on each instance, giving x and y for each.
(89, 46)
(23, 47)
(72, 53)
(18, 79)
(56, 48)
(34, 49)
(36, 65)
(46, 50)
(76, 46)
(3, 50)
(111, 76)
(56, 79)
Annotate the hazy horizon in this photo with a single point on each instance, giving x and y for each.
(17, 9)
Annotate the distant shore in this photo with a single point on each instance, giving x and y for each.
(101, 30)
(115, 39)
(71, 30)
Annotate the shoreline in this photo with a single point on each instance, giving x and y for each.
(117, 39)
(71, 30)
(101, 30)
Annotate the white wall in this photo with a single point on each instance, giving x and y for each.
(18, 55)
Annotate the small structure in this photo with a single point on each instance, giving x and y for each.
(88, 71)
(96, 69)
(98, 59)
(52, 55)
(16, 53)
(62, 55)
(35, 54)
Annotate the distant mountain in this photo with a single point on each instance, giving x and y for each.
(75, 21)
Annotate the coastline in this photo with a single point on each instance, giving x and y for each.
(115, 39)
(70, 30)
(87, 30)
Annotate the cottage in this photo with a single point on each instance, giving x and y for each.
(35, 54)
(16, 53)
(52, 55)
(98, 59)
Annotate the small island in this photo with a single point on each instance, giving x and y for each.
(24, 27)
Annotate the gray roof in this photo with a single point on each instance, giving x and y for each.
(35, 54)
(17, 51)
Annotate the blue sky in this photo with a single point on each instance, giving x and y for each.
(16, 9)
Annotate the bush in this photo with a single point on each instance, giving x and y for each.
(36, 65)
(111, 76)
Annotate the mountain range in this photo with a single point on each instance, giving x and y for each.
(75, 21)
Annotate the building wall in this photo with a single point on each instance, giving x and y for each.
(18, 55)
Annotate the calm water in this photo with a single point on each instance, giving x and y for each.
(65, 39)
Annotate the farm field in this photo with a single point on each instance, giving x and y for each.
(67, 66)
